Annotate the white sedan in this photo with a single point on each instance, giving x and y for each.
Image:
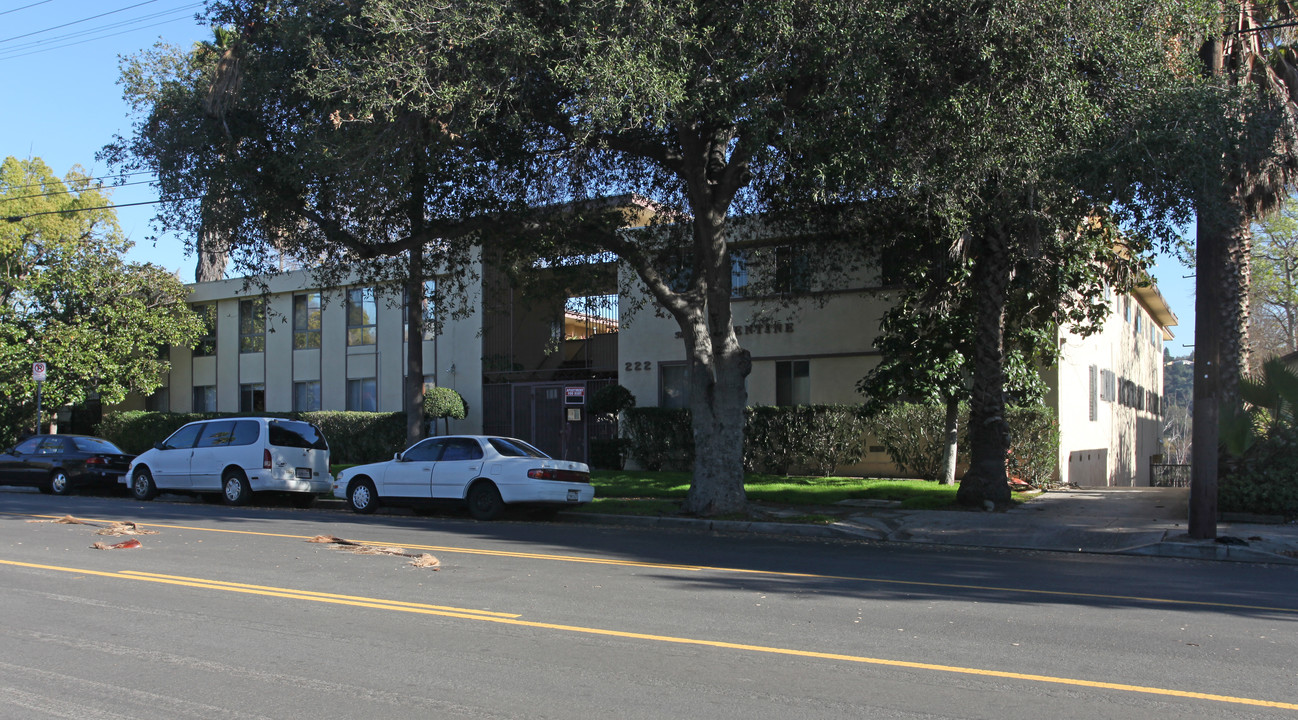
(485, 472)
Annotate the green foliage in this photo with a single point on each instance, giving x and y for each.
(661, 438)
(611, 400)
(354, 437)
(914, 436)
(1034, 443)
(609, 453)
(653, 488)
(814, 439)
(1274, 262)
(443, 402)
(1264, 479)
(68, 299)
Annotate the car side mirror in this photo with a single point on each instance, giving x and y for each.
(159, 445)
(397, 457)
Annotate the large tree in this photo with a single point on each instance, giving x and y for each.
(1274, 291)
(700, 110)
(1248, 52)
(69, 300)
(1038, 149)
(255, 166)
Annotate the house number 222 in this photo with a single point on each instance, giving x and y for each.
(635, 366)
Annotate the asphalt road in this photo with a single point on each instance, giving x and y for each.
(231, 613)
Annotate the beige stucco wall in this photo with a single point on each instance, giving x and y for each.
(1122, 438)
(333, 364)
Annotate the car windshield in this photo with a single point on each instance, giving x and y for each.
(96, 445)
(291, 433)
(509, 447)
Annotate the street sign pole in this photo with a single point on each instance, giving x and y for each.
(38, 374)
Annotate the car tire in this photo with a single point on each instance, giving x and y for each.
(234, 488)
(142, 486)
(484, 501)
(362, 497)
(59, 482)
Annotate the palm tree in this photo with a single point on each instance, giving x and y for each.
(1251, 54)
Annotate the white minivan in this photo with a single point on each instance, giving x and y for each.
(232, 458)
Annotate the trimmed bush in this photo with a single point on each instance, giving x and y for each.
(443, 402)
(1264, 480)
(810, 439)
(1034, 444)
(611, 400)
(354, 437)
(660, 438)
(608, 453)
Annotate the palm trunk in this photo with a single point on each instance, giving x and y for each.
(987, 480)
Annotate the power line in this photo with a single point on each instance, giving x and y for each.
(42, 2)
(20, 218)
(99, 179)
(34, 46)
(78, 22)
(69, 192)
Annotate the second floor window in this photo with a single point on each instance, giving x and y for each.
(306, 321)
(252, 326)
(361, 317)
(207, 341)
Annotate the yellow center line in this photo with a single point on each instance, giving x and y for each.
(742, 571)
(503, 619)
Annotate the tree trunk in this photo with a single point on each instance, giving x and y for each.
(1234, 280)
(950, 448)
(1209, 252)
(211, 248)
(414, 390)
(987, 480)
(717, 401)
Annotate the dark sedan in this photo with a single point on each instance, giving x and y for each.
(58, 463)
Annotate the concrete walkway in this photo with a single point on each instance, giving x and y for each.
(1132, 521)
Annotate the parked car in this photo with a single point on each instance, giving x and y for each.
(487, 473)
(232, 458)
(58, 463)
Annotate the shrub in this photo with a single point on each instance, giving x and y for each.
(611, 400)
(608, 453)
(660, 438)
(1034, 443)
(354, 437)
(814, 439)
(443, 402)
(914, 436)
(1264, 480)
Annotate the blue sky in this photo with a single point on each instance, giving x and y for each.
(58, 77)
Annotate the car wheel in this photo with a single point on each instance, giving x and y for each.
(59, 482)
(142, 487)
(485, 502)
(362, 497)
(234, 487)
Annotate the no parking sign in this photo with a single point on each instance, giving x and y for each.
(38, 372)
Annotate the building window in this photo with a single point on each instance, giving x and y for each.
(673, 386)
(792, 270)
(159, 401)
(361, 317)
(739, 272)
(204, 398)
(252, 326)
(252, 397)
(1126, 308)
(306, 396)
(429, 319)
(793, 382)
(306, 321)
(1108, 386)
(207, 341)
(362, 395)
(1093, 395)
(1138, 317)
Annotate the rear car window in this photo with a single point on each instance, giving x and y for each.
(510, 447)
(291, 433)
(95, 445)
(246, 432)
(461, 449)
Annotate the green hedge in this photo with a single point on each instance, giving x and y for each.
(914, 436)
(1265, 479)
(812, 439)
(354, 437)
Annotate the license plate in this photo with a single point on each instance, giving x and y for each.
(304, 473)
(573, 496)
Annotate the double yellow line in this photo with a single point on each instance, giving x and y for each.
(513, 619)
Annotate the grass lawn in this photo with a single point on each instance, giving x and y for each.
(643, 492)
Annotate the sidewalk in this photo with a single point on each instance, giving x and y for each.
(1129, 521)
